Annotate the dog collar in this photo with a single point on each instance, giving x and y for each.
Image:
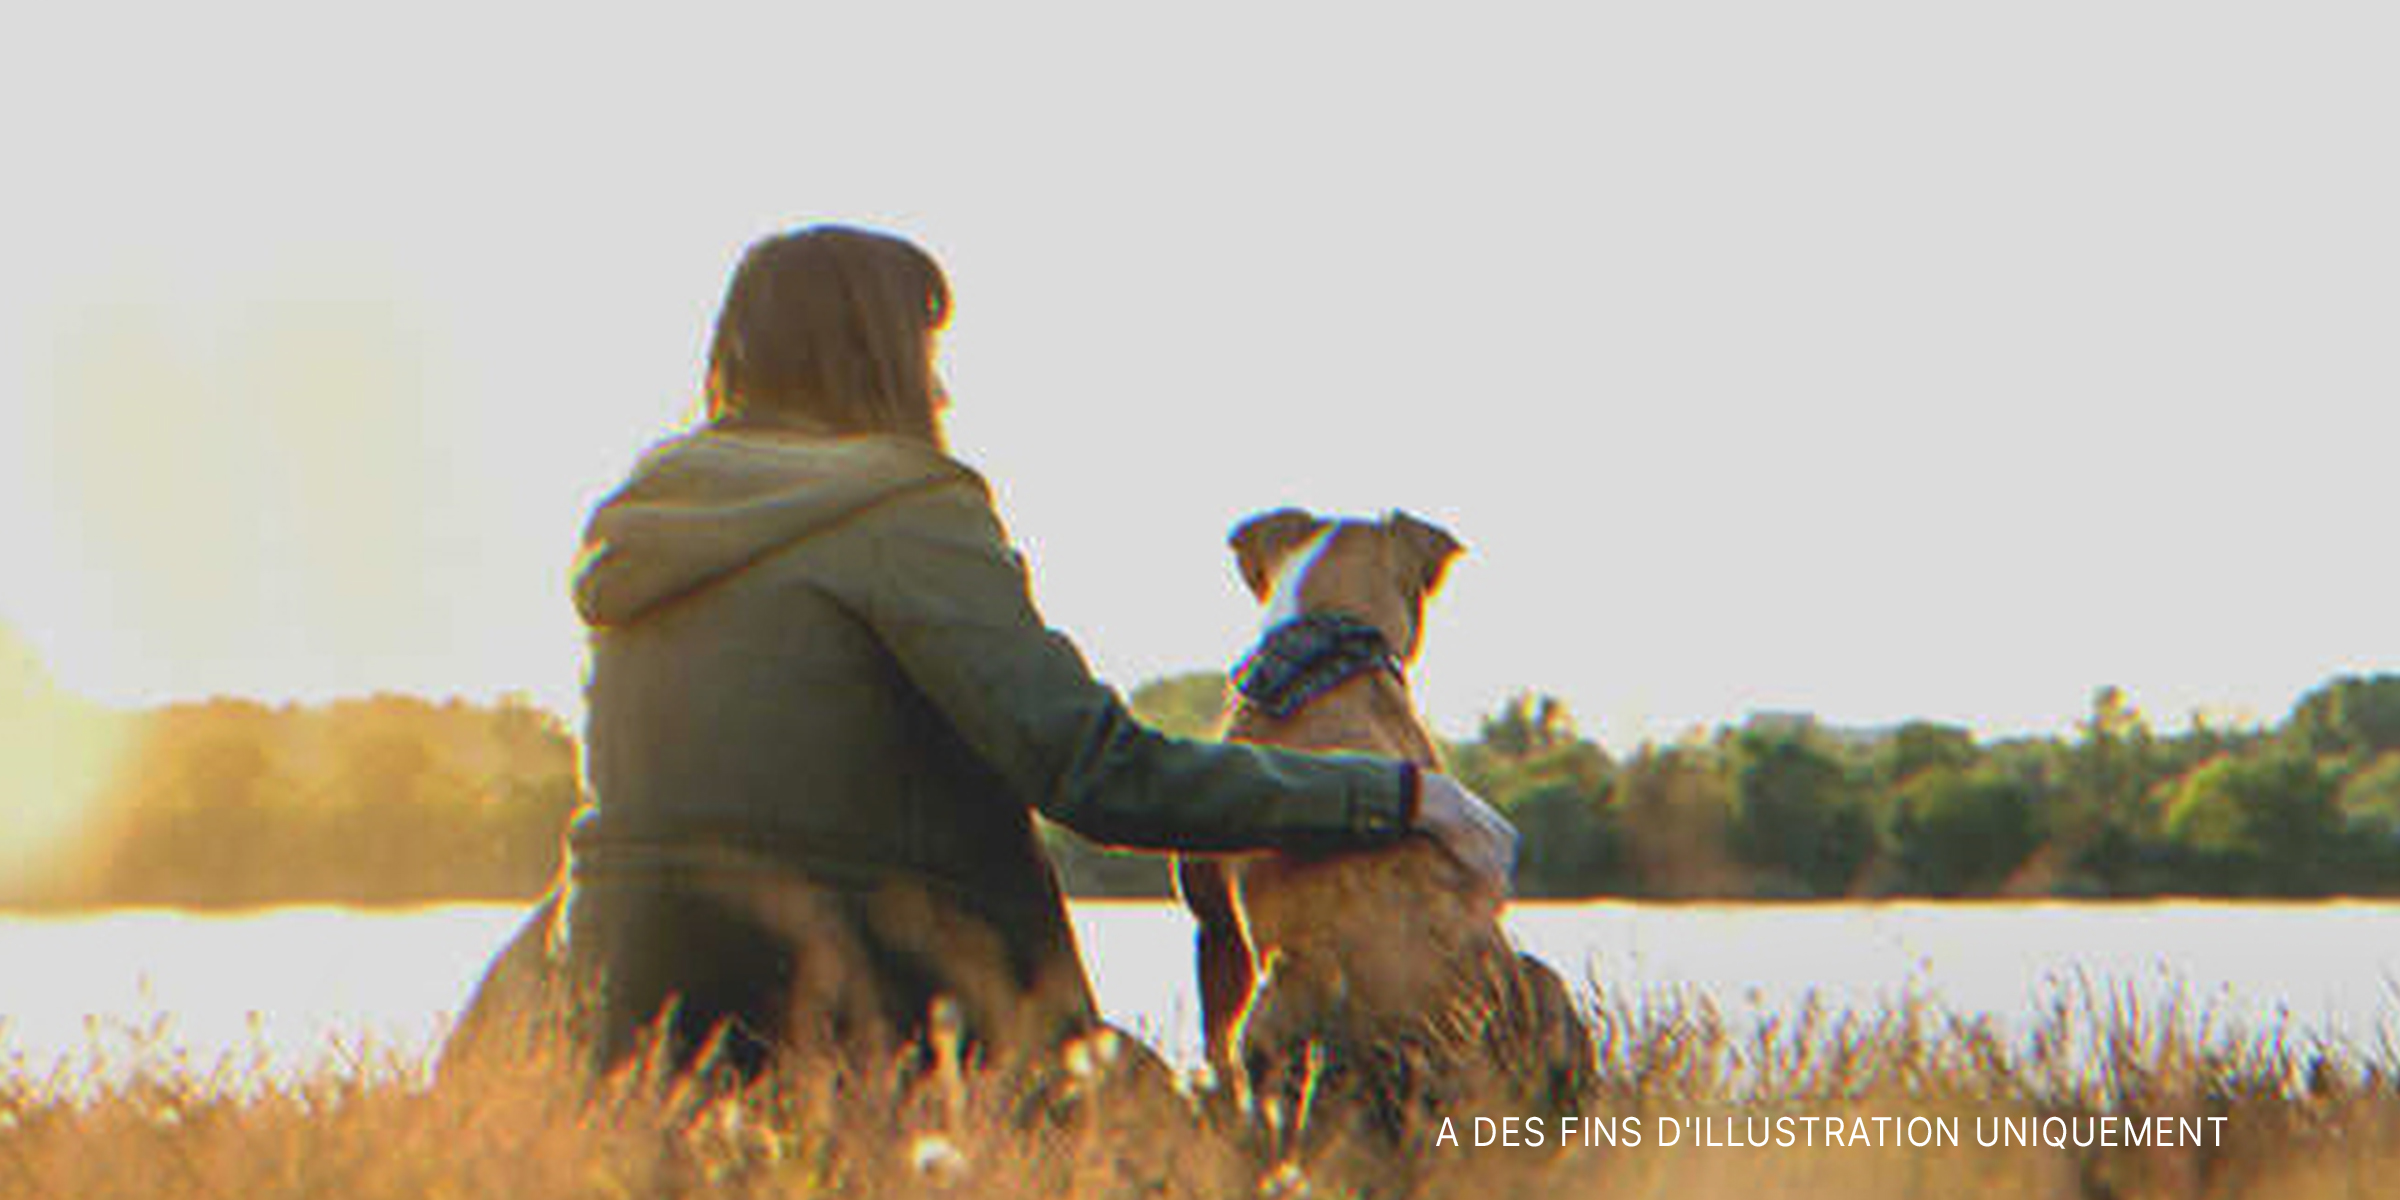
(1307, 656)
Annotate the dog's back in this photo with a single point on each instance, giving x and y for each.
(1391, 964)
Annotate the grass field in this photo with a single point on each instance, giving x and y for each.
(1696, 1109)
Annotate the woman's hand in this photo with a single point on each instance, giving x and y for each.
(1470, 830)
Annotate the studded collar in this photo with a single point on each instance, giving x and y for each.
(1307, 656)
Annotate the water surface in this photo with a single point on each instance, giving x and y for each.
(297, 988)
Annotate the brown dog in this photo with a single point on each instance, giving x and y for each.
(1383, 976)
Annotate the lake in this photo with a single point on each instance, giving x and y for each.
(297, 988)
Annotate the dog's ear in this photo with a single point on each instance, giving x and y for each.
(1260, 543)
(1425, 550)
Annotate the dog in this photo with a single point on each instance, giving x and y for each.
(1383, 975)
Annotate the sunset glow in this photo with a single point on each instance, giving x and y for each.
(1922, 478)
(1855, 375)
(57, 755)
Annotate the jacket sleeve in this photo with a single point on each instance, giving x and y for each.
(949, 598)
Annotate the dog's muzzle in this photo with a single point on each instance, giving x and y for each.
(1307, 656)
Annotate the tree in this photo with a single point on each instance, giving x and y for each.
(1187, 705)
(1529, 725)
(1673, 810)
(1529, 745)
(1921, 746)
(2108, 766)
(2350, 715)
(1957, 832)
(1569, 845)
(2370, 800)
(1796, 811)
(2262, 822)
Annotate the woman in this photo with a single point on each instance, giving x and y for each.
(822, 710)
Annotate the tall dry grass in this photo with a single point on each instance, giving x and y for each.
(2300, 1121)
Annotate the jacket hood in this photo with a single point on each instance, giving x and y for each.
(704, 505)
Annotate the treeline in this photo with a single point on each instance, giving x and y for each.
(1783, 807)
(393, 800)
(383, 800)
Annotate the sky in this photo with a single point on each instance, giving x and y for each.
(1877, 360)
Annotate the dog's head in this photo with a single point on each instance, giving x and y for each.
(1378, 571)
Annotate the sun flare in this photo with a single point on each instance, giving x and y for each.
(57, 756)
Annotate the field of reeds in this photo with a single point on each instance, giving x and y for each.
(1697, 1108)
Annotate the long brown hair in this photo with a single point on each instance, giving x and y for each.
(831, 325)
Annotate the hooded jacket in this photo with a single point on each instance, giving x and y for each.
(823, 652)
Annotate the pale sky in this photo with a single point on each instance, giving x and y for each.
(1874, 359)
